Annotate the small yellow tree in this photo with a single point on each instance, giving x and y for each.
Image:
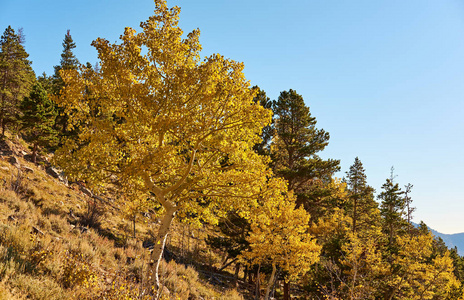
(279, 234)
(416, 274)
(166, 123)
(363, 265)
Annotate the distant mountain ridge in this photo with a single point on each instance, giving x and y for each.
(451, 240)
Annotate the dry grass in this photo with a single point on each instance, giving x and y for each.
(46, 253)
(38, 287)
(5, 293)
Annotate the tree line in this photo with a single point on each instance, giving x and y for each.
(188, 137)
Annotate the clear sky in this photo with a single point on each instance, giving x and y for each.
(385, 78)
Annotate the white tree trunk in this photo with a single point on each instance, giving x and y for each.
(157, 253)
(271, 281)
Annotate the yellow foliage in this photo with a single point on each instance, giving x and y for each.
(77, 271)
(337, 223)
(279, 232)
(163, 122)
(364, 264)
(420, 275)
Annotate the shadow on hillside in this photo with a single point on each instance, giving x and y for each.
(216, 277)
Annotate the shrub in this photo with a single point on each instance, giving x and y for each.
(39, 288)
(8, 196)
(92, 215)
(77, 271)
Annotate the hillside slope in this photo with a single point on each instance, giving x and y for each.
(59, 241)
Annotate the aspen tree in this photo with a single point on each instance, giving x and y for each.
(173, 126)
(280, 235)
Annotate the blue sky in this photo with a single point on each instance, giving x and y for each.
(385, 78)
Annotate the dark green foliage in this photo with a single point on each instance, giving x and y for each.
(47, 83)
(38, 119)
(392, 208)
(361, 206)
(234, 230)
(407, 203)
(263, 148)
(295, 149)
(16, 76)
(458, 263)
(68, 62)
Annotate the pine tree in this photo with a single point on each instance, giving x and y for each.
(362, 206)
(295, 149)
(408, 207)
(16, 76)
(294, 153)
(68, 62)
(263, 148)
(392, 208)
(47, 83)
(38, 119)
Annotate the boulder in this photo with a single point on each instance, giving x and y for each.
(27, 169)
(58, 174)
(14, 160)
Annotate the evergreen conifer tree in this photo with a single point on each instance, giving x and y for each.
(47, 83)
(295, 149)
(38, 119)
(16, 76)
(392, 208)
(408, 207)
(263, 148)
(362, 206)
(68, 62)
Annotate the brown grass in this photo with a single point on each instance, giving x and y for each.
(46, 253)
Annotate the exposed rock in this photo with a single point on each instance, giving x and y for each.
(27, 169)
(82, 229)
(14, 160)
(54, 172)
(79, 228)
(5, 148)
(86, 191)
(114, 178)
